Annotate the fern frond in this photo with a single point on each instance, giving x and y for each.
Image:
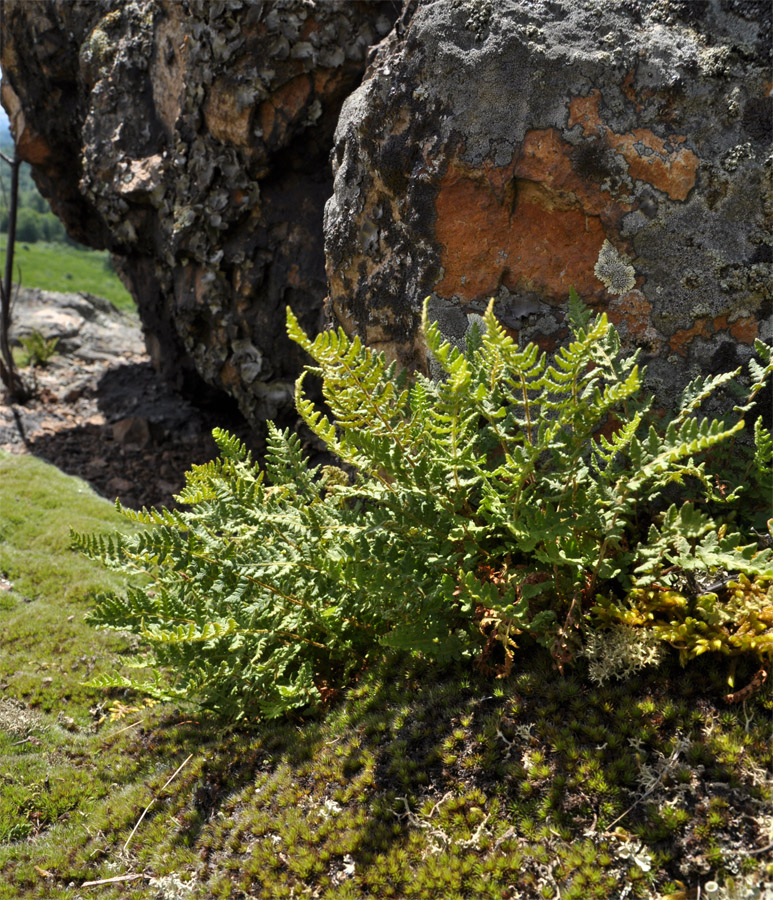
(489, 495)
(699, 390)
(577, 312)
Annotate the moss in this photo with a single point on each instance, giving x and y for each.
(420, 782)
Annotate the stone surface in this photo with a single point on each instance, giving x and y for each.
(494, 147)
(100, 411)
(133, 431)
(191, 138)
(85, 327)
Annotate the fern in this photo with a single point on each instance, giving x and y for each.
(516, 497)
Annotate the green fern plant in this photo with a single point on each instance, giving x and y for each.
(516, 495)
(39, 349)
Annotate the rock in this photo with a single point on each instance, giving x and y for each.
(133, 431)
(87, 328)
(511, 150)
(192, 140)
(119, 485)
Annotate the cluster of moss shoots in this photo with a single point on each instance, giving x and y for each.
(422, 784)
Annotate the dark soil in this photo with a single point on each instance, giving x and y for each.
(117, 425)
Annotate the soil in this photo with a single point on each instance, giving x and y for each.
(117, 426)
(100, 411)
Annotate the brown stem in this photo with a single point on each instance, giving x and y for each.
(8, 373)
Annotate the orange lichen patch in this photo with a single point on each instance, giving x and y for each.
(629, 90)
(229, 375)
(309, 27)
(322, 79)
(680, 341)
(513, 333)
(631, 311)
(584, 111)
(197, 276)
(720, 323)
(31, 146)
(546, 158)
(661, 163)
(294, 278)
(608, 429)
(547, 342)
(745, 330)
(550, 250)
(472, 223)
(283, 108)
(535, 244)
(650, 159)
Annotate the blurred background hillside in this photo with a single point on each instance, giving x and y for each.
(45, 255)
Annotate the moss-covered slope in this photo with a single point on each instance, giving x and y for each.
(418, 782)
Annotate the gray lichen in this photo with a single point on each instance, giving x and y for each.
(621, 652)
(614, 270)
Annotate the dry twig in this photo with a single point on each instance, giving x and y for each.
(116, 879)
(145, 812)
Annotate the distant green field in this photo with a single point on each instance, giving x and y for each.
(60, 267)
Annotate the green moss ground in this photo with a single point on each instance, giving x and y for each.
(61, 267)
(417, 782)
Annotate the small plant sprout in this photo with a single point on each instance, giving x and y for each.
(39, 349)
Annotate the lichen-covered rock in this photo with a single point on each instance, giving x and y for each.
(513, 149)
(191, 138)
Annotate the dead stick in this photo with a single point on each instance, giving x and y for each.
(114, 880)
(125, 728)
(759, 678)
(169, 781)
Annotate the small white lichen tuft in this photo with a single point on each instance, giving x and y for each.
(614, 270)
(170, 887)
(620, 652)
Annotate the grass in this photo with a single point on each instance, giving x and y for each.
(60, 267)
(416, 783)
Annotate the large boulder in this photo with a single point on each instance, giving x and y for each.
(192, 139)
(514, 149)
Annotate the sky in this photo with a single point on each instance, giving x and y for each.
(4, 132)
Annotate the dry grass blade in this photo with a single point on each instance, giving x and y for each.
(116, 879)
(147, 808)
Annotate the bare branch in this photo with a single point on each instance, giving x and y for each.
(10, 377)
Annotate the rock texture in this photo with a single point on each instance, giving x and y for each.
(100, 411)
(86, 328)
(191, 138)
(513, 149)
(507, 148)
